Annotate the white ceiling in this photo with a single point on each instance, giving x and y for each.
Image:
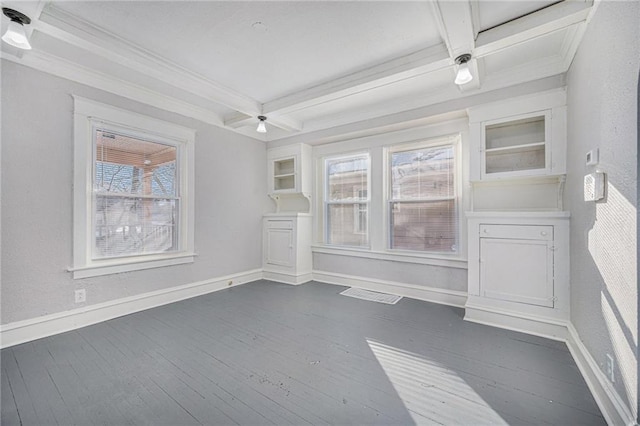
(306, 65)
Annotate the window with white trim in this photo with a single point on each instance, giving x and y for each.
(422, 203)
(133, 191)
(346, 200)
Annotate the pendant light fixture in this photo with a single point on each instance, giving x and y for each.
(464, 75)
(16, 35)
(262, 128)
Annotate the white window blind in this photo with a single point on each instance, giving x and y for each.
(136, 196)
(422, 203)
(346, 199)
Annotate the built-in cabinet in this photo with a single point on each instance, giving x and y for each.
(518, 235)
(287, 232)
(287, 247)
(520, 137)
(289, 169)
(518, 271)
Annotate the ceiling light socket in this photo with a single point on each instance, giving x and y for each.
(463, 59)
(16, 16)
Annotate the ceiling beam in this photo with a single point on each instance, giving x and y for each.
(71, 29)
(238, 119)
(421, 62)
(537, 24)
(456, 25)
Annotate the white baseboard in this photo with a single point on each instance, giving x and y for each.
(286, 278)
(525, 323)
(428, 294)
(613, 408)
(24, 331)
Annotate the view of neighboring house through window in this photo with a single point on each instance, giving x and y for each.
(346, 199)
(422, 203)
(136, 199)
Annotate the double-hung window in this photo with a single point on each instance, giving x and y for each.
(422, 207)
(346, 200)
(136, 204)
(133, 191)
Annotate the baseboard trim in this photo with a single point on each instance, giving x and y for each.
(523, 323)
(428, 294)
(613, 408)
(286, 278)
(35, 328)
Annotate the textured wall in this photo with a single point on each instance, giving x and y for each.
(602, 84)
(37, 162)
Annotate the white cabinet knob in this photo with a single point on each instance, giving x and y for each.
(485, 231)
(543, 233)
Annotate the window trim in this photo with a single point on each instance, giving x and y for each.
(88, 113)
(326, 203)
(454, 141)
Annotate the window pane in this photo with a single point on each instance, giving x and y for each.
(422, 173)
(347, 179)
(133, 166)
(130, 226)
(426, 226)
(145, 223)
(346, 224)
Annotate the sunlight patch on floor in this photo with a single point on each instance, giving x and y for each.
(431, 392)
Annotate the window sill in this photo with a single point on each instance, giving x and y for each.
(422, 259)
(116, 266)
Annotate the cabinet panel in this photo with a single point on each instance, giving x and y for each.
(517, 270)
(280, 247)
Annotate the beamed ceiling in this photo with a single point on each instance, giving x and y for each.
(308, 66)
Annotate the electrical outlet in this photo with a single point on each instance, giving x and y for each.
(81, 295)
(610, 366)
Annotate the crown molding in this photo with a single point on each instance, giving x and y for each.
(548, 20)
(75, 31)
(59, 67)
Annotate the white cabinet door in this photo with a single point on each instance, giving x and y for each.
(517, 270)
(280, 247)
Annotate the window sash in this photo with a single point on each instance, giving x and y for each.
(421, 242)
(351, 234)
(140, 227)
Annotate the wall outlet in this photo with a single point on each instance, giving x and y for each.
(610, 366)
(593, 157)
(81, 295)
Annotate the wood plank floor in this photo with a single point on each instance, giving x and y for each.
(269, 353)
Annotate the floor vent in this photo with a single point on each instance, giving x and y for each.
(372, 296)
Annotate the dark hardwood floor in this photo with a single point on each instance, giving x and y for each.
(269, 353)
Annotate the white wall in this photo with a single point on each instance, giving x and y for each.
(37, 161)
(602, 90)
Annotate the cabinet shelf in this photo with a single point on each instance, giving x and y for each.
(284, 175)
(284, 167)
(516, 148)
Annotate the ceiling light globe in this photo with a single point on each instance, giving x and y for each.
(16, 36)
(464, 74)
(262, 128)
